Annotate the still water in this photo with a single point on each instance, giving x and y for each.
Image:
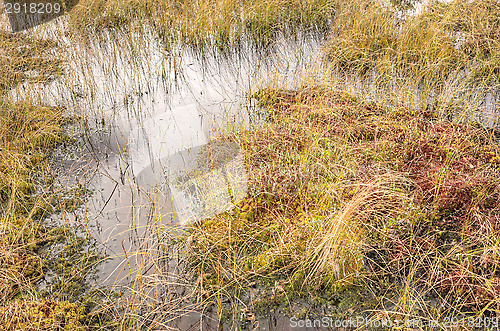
(153, 149)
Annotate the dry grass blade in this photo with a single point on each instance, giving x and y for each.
(337, 258)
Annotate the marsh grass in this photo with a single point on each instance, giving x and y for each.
(444, 47)
(27, 243)
(337, 258)
(220, 24)
(33, 251)
(26, 132)
(41, 315)
(26, 59)
(348, 194)
(387, 201)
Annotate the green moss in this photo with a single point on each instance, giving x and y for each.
(42, 315)
(28, 134)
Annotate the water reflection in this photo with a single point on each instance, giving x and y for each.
(206, 180)
(153, 154)
(172, 151)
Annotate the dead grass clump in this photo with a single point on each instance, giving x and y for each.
(338, 256)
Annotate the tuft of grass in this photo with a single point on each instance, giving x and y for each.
(337, 258)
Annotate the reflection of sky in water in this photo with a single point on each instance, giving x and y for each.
(161, 136)
(150, 116)
(206, 180)
(170, 146)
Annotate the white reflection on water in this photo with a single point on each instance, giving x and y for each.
(150, 117)
(171, 150)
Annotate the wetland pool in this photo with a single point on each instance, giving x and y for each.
(149, 150)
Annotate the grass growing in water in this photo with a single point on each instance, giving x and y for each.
(214, 23)
(442, 52)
